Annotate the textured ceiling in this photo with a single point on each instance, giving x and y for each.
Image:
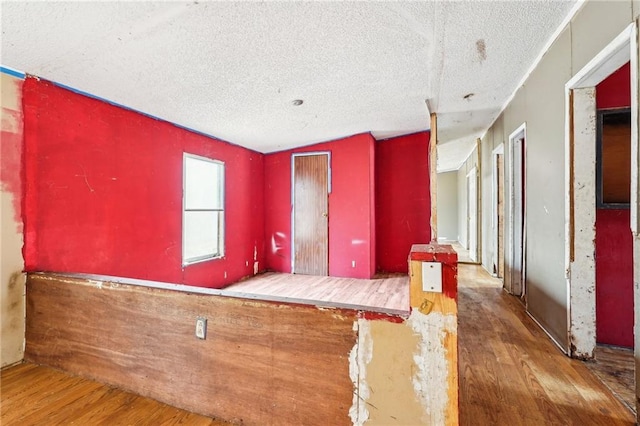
(232, 69)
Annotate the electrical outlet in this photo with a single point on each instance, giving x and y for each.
(201, 328)
(353, 263)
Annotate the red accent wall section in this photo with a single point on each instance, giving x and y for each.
(614, 242)
(614, 277)
(351, 214)
(615, 90)
(403, 205)
(104, 192)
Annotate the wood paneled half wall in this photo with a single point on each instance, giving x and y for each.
(261, 363)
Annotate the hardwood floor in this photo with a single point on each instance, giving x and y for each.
(511, 373)
(36, 395)
(616, 368)
(389, 291)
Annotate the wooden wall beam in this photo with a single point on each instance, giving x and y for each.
(433, 176)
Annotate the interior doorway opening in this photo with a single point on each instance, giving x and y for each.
(515, 260)
(472, 214)
(584, 197)
(498, 208)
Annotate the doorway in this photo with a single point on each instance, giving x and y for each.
(515, 270)
(580, 190)
(497, 217)
(310, 218)
(472, 214)
(614, 241)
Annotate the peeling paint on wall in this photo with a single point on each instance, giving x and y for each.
(11, 225)
(359, 358)
(430, 378)
(582, 275)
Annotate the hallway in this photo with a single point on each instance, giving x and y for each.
(510, 371)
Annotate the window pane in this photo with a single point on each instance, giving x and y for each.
(203, 184)
(616, 158)
(201, 234)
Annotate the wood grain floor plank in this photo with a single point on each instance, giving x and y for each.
(65, 399)
(512, 374)
(616, 368)
(389, 291)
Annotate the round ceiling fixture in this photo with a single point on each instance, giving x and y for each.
(297, 102)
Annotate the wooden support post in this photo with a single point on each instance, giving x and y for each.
(433, 175)
(438, 310)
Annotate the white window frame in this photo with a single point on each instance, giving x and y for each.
(221, 227)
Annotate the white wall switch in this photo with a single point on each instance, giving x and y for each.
(432, 277)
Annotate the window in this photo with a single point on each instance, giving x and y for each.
(202, 209)
(613, 164)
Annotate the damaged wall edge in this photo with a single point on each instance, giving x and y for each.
(270, 358)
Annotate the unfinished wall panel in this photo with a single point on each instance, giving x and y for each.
(261, 363)
(276, 362)
(11, 261)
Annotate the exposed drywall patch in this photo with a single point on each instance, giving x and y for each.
(98, 284)
(582, 275)
(432, 369)
(359, 358)
(11, 225)
(392, 399)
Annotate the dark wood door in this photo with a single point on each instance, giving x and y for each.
(310, 214)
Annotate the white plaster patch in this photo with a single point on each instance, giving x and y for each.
(98, 284)
(432, 370)
(359, 357)
(582, 268)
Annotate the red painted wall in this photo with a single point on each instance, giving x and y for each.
(615, 90)
(351, 214)
(103, 192)
(614, 242)
(614, 278)
(403, 204)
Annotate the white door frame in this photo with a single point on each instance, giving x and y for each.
(472, 199)
(494, 204)
(510, 194)
(580, 136)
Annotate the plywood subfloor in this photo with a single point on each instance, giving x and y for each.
(389, 292)
(37, 395)
(615, 367)
(512, 374)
